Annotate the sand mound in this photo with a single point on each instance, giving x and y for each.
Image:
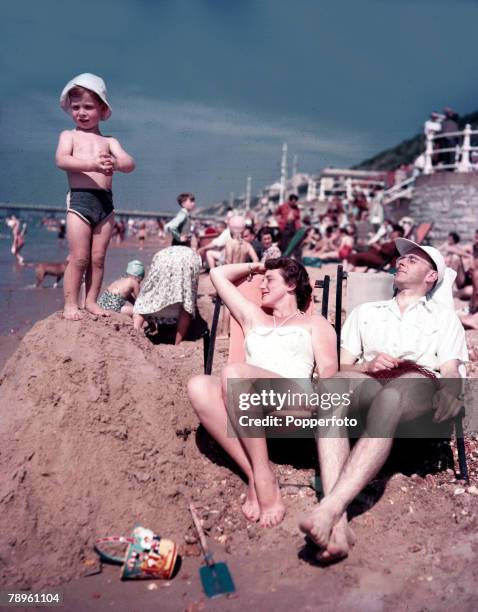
(97, 435)
(94, 438)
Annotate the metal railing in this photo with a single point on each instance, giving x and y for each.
(327, 187)
(461, 152)
(404, 189)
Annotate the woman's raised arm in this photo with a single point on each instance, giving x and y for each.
(223, 279)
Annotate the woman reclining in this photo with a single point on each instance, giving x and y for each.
(287, 343)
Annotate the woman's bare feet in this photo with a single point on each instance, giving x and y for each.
(250, 507)
(270, 502)
(72, 313)
(95, 309)
(341, 540)
(318, 526)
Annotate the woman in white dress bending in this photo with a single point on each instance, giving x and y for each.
(286, 343)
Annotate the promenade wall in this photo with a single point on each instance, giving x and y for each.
(450, 201)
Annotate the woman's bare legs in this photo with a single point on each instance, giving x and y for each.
(79, 243)
(183, 324)
(94, 274)
(265, 480)
(205, 393)
(249, 453)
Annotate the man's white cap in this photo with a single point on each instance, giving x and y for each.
(88, 81)
(404, 246)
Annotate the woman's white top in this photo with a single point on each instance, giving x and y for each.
(286, 350)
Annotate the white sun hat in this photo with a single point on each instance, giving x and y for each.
(404, 246)
(88, 81)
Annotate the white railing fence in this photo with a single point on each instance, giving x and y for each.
(459, 157)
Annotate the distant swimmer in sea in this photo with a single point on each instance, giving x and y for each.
(90, 159)
(142, 235)
(61, 232)
(18, 237)
(121, 294)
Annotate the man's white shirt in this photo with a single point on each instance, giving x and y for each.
(427, 333)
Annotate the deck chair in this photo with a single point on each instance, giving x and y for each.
(422, 232)
(367, 288)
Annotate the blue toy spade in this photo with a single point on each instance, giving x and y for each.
(216, 579)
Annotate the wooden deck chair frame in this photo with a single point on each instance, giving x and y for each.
(457, 421)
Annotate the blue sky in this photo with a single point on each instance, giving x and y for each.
(204, 92)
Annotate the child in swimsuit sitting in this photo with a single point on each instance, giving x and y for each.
(121, 294)
(89, 158)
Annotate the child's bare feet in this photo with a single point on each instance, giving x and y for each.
(95, 309)
(72, 313)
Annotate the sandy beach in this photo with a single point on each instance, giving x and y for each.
(335, 133)
(100, 436)
(23, 304)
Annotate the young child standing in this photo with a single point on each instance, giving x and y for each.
(89, 159)
(180, 226)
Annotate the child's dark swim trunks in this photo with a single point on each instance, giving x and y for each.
(92, 205)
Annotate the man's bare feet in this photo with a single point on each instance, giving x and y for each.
(72, 313)
(95, 309)
(318, 526)
(269, 497)
(341, 540)
(250, 507)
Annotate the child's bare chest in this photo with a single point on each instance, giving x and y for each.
(88, 145)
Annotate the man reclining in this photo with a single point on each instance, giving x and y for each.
(409, 336)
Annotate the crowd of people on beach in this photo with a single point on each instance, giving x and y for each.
(283, 338)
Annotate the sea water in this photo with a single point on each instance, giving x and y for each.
(21, 303)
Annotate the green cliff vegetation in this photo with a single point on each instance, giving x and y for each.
(408, 150)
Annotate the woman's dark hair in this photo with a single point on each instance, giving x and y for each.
(455, 237)
(293, 273)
